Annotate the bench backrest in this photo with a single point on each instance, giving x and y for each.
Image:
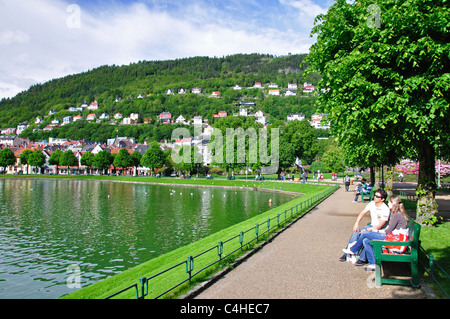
(414, 233)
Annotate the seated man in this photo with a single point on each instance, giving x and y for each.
(379, 215)
(362, 189)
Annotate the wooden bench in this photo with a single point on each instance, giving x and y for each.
(411, 256)
(365, 198)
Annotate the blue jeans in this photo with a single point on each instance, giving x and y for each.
(354, 237)
(364, 241)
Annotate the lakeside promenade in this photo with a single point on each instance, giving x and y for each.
(302, 262)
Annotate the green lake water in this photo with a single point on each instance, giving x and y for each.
(104, 227)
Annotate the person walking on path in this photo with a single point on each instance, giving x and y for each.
(379, 214)
(346, 182)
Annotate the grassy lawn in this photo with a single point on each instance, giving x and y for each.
(436, 241)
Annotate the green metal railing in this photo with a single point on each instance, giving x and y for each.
(436, 272)
(225, 248)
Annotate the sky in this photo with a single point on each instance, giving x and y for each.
(42, 40)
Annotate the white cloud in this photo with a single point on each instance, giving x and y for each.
(47, 39)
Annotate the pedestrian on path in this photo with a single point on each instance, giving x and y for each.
(346, 182)
(379, 214)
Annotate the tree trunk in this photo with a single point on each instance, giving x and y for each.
(427, 207)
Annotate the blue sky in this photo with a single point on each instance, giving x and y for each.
(45, 39)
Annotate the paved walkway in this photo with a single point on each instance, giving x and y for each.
(302, 262)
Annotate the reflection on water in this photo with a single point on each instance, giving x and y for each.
(104, 228)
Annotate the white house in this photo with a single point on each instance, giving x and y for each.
(39, 120)
(290, 93)
(273, 85)
(237, 87)
(169, 92)
(257, 85)
(182, 91)
(243, 112)
(196, 90)
(292, 86)
(181, 120)
(67, 120)
(91, 117)
(295, 116)
(117, 116)
(21, 127)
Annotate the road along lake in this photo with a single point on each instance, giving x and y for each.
(50, 226)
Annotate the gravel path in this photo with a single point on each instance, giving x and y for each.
(302, 262)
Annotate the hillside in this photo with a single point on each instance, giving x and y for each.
(150, 80)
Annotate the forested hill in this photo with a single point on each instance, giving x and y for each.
(151, 79)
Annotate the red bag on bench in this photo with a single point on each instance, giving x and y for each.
(396, 235)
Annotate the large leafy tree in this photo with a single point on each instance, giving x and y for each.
(7, 158)
(385, 63)
(103, 160)
(68, 159)
(123, 159)
(154, 157)
(36, 159)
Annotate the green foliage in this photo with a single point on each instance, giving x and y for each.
(389, 88)
(151, 80)
(319, 166)
(7, 157)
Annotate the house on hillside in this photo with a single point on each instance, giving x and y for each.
(295, 116)
(165, 116)
(196, 90)
(91, 117)
(274, 92)
(308, 88)
(93, 106)
(21, 127)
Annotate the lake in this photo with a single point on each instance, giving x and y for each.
(104, 228)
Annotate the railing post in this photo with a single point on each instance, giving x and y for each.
(257, 231)
(189, 266)
(144, 287)
(241, 238)
(220, 250)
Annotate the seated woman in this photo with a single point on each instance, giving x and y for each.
(399, 220)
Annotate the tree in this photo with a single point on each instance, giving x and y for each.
(68, 158)
(135, 158)
(54, 159)
(301, 136)
(7, 158)
(122, 159)
(103, 160)
(87, 159)
(36, 159)
(386, 65)
(153, 158)
(24, 157)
